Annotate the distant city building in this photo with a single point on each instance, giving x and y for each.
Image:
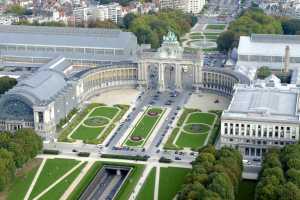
(290, 8)
(189, 6)
(261, 116)
(111, 12)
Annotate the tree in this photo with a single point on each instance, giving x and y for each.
(127, 20)
(215, 175)
(7, 168)
(289, 192)
(291, 26)
(16, 10)
(221, 185)
(6, 83)
(226, 41)
(263, 72)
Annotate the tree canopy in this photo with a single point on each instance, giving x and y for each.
(280, 175)
(250, 21)
(151, 28)
(291, 26)
(215, 175)
(6, 83)
(15, 150)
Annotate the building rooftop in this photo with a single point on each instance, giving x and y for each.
(264, 101)
(65, 36)
(269, 45)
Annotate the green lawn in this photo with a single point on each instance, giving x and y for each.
(144, 126)
(108, 112)
(147, 191)
(21, 185)
(169, 144)
(205, 118)
(91, 133)
(191, 137)
(170, 182)
(246, 190)
(196, 128)
(63, 134)
(86, 133)
(216, 26)
(53, 170)
(211, 34)
(85, 181)
(57, 191)
(196, 37)
(187, 140)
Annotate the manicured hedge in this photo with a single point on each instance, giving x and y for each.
(51, 151)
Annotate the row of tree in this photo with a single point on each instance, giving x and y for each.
(255, 20)
(280, 175)
(15, 150)
(151, 28)
(6, 83)
(216, 175)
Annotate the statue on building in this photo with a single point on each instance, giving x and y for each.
(170, 37)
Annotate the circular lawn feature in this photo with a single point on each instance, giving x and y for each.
(96, 121)
(136, 138)
(153, 113)
(196, 128)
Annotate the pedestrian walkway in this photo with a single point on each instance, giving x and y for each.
(35, 179)
(77, 180)
(141, 182)
(157, 176)
(58, 181)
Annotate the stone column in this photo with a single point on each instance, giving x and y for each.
(140, 67)
(161, 77)
(198, 76)
(178, 76)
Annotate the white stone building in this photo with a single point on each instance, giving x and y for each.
(111, 12)
(261, 116)
(189, 6)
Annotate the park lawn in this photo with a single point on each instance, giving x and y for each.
(211, 34)
(52, 170)
(58, 190)
(194, 141)
(134, 143)
(109, 112)
(85, 181)
(144, 126)
(21, 185)
(147, 190)
(169, 144)
(170, 181)
(189, 128)
(196, 37)
(195, 34)
(246, 190)
(184, 114)
(216, 26)
(87, 133)
(205, 118)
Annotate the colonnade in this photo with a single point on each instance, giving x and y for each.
(143, 73)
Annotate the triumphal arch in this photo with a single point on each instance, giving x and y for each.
(170, 67)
